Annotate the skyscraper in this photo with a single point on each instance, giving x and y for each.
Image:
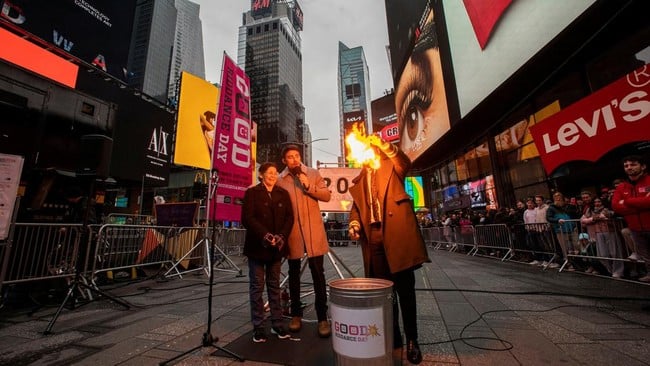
(269, 50)
(354, 90)
(157, 55)
(151, 47)
(187, 54)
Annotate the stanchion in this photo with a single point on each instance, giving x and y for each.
(78, 281)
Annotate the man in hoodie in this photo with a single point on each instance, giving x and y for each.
(632, 200)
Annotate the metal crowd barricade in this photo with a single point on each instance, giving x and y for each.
(606, 247)
(465, 238)
(494, 238)
(339, 237)
(536, 238)
(36, 251)
(447, 238)
(231, 241)
(130, 246)
(432, 236)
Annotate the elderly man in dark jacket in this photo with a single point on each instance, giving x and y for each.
(268, 217)
(382, 219)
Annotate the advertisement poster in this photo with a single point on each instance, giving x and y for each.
(11, 167)
(232, 158)
(195, 130)
(339, 181)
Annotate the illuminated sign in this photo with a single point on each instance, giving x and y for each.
(33, 58)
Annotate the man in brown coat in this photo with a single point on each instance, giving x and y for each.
(382, 219)
(306, 187)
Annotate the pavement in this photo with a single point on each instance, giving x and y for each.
(471, 311)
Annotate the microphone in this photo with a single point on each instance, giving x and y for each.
(295, 171)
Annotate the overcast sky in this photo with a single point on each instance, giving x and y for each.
(353, 22)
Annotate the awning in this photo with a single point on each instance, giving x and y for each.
(586, 130)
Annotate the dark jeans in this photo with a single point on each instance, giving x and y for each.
(403, 289)
(260, 272)
(320, 289)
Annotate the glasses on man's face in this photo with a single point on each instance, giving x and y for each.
(597, 202)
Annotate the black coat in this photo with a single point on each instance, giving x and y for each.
(262, 214)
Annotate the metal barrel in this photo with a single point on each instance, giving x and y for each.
(362, 321)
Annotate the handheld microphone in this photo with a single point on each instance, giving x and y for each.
(295, 171)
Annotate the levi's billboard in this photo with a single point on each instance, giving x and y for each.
(586, 130)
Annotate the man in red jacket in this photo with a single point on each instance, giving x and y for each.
(632, 201)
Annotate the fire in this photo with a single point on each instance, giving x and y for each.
(359, 149)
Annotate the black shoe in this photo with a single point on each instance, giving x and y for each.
(413, 353)
(280, 332)
(259, 335)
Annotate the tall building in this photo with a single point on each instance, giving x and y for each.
(354, 90)
(151, 47)
(187, 53)
(157, 55)
(269, 50)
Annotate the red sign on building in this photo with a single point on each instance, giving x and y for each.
(586, 130)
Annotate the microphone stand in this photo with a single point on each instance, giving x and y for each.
(208, 339)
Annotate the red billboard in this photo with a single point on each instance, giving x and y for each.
(586, 130)
(261, 8)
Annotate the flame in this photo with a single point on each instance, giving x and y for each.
(360, 151)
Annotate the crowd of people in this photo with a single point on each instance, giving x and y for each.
(580, 233)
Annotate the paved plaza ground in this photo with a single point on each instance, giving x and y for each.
(471, 310)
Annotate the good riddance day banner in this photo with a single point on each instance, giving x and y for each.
(196, 122)
(232, 158)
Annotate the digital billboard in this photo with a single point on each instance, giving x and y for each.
(404, 25)
(490, 41)
(195, 131)
(414, 187)
(297, 16)
(30, 56)
(420, 93)
(383, 112)
(95, 31)
(143, 135)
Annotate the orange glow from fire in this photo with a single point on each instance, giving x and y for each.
(360, 150)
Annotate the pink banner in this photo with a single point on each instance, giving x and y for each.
(232, 159)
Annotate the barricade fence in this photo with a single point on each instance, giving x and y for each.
(339, 238)
(36, 252)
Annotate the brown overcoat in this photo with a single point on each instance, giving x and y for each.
(308, 232)
(403, 242)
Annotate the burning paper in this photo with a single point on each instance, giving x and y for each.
(361, 151)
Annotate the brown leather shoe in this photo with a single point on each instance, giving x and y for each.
(295, 324)
(324, 329)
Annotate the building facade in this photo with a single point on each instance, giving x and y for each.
(519, 94)
(269, 50)
(354, 91)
